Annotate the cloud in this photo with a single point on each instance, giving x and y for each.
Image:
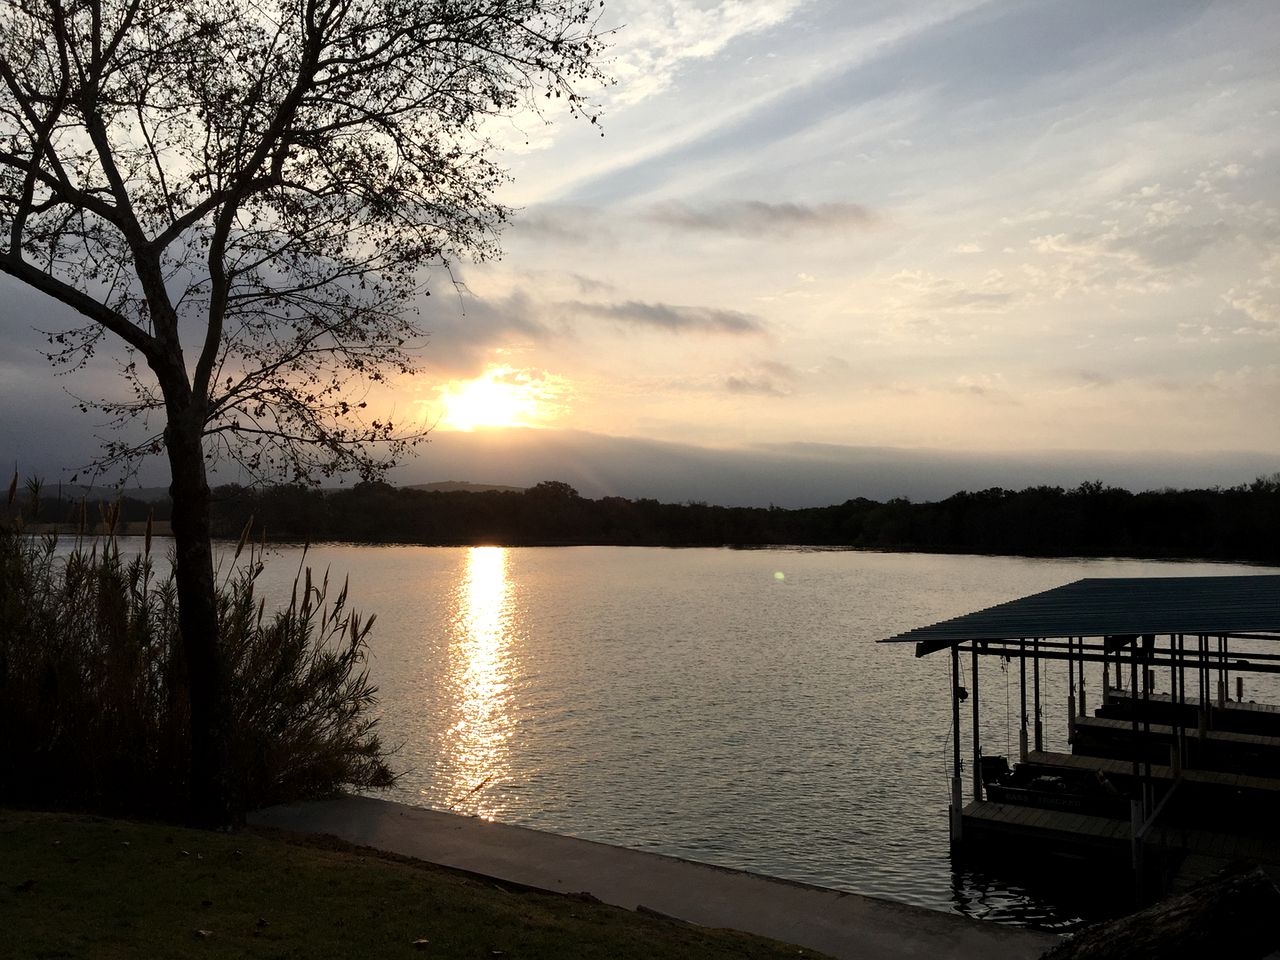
(676, 319)
(662, 35)
(1094, 263)
(768, 378)
(567, 224)
(1173, 245)
(1260, 314)
(760, 387)
(972, 300)
(920, 305)
(589, 285)
(775, 368)
(990, 387)
(1094, 378)
(797, 474)
(952, 57)
(834, 58)
(750, 218)
(463, 330)
(1159, 237)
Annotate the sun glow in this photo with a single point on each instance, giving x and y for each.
(501, 397)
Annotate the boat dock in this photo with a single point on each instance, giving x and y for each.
(1168, 785)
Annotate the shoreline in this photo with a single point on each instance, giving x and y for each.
(839, 923)
(160, 531)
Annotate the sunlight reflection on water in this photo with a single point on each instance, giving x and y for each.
(476, 749)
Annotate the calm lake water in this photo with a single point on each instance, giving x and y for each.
(729, 706)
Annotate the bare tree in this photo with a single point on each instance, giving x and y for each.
(248, 194)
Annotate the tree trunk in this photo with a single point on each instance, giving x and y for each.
(212, 799)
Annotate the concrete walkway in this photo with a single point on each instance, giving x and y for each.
(844, 925)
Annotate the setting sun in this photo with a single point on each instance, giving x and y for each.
(501, 397)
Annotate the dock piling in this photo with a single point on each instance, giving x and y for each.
(1022, 684)
(977, 733)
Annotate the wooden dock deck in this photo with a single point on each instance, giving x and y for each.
(985, 820)
(1163, 731)
(1162, 772)
(1246, 711)
(1222, 751)
(1086, 764)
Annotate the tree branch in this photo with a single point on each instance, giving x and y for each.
(79, 301)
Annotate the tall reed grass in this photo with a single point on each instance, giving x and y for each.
(94, 709)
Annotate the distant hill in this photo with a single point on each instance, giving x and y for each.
(463, 486)
(107, 492)
(74, 491)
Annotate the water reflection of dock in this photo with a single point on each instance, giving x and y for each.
(1171, 785)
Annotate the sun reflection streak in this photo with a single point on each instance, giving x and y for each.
(476, 755)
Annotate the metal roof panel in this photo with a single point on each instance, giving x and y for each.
(1100, 607)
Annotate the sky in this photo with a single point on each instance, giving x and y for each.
(835, 249)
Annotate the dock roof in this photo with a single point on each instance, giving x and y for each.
(1117, 606)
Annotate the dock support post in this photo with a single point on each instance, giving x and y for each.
(1178, 694)
(957, 791)
(1071, 690)
(1179, 717)
(1022, 682)
(1139, 794)
(1202, 671)
(1226, 670)
(1035, 682)
(957, 815)
(1221, 672)
(1084, 711)
(1149, 676)
(977, 734)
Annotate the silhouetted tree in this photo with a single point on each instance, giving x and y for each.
(246, 195)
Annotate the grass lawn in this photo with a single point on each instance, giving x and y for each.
(77, 886)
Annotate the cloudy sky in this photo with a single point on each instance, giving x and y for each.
(926, 233)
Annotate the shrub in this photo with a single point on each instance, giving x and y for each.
(94, 710)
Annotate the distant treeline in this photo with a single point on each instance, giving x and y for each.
(1239, 523)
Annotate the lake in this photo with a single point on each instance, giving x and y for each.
(728, 706)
